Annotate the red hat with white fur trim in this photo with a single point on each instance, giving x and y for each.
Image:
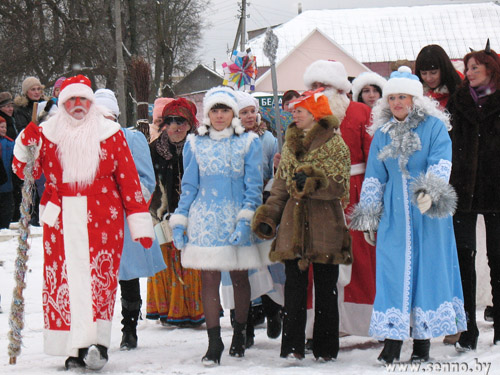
(76, 86)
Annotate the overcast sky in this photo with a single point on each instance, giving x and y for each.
(222, 15)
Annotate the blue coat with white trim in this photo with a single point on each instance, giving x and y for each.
(222, 183)
(418, 279)
(136, 261)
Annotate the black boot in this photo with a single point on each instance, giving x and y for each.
(215, 347)
(73, 363)
(130, 313)
(273, 316)
(420, 350)
(391, 351)
(237, 348)
(488, 314)
(274, 326)
(466, 342)
(95, 357)
(250, 334)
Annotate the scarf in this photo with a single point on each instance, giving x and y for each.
(404, 142)
(480, 94)
(260, 128)
(163, 146)
(329, 157)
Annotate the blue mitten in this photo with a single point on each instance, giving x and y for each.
(180, 237)
(241, 234)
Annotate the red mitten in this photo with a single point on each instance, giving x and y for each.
(31, 135)
(146, 242)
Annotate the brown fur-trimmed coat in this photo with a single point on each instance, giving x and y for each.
(311, 222)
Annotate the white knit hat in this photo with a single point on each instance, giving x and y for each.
(364, 79)
(403, 81)
(327, 72)
(107, 99)
(246, 100)
(220, 95)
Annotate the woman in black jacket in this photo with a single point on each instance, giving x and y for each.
(475, 114)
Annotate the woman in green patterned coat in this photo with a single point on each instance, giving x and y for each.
(309, 191)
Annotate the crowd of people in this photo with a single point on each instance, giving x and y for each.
(371, 203)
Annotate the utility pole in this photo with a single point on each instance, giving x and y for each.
(241, 33)
(243, 25)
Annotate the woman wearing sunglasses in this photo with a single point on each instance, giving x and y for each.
(174, 294)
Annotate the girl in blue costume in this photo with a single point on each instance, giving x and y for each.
(407, 200)
(221, 188)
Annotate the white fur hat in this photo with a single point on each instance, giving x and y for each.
(403, 81)
(220, 95)
(76, 86)
(364, 79)
(246, 100)
(107, 99)
(328, 72)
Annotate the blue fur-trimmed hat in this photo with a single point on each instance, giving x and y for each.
(403, 81)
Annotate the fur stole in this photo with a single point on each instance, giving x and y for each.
(321, 150)
(404, 141)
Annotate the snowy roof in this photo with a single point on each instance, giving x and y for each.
(392, 33)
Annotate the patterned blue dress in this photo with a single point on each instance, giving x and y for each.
(418, 277)
(222, 183)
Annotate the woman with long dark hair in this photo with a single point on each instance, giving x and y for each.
(436, 72)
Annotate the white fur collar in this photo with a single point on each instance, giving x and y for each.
(218, 135)
(106, 129)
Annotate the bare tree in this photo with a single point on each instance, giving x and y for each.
(48, 38)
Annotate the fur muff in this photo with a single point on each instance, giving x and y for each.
(316, 180)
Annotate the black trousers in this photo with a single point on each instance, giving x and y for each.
(6, 209)
(465, 235)
(326, 318)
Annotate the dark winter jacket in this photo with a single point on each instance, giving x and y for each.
(11, 125)
(311, 221)
(23, 110)
(168, 175)
(475, 136)
(6, 154)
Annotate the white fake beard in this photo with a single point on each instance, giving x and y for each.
(338, 103)
(78, 146)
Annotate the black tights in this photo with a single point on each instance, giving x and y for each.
(210, 282)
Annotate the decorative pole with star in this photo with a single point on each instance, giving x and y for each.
(270, 48)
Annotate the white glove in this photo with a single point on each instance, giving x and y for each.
(424, 202)
(370, 237)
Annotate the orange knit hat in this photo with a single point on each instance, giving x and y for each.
(315, 102)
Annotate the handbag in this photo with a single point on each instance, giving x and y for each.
(163, 231)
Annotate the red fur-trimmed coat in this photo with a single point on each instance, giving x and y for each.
(83, 242)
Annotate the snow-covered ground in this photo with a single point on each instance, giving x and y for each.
(165, 350)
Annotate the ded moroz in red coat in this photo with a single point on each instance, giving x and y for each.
(356, 295)
(83, 243)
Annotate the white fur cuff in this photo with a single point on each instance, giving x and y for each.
(49, 213)
(245, 214)
(141, 225)
(178, 219)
